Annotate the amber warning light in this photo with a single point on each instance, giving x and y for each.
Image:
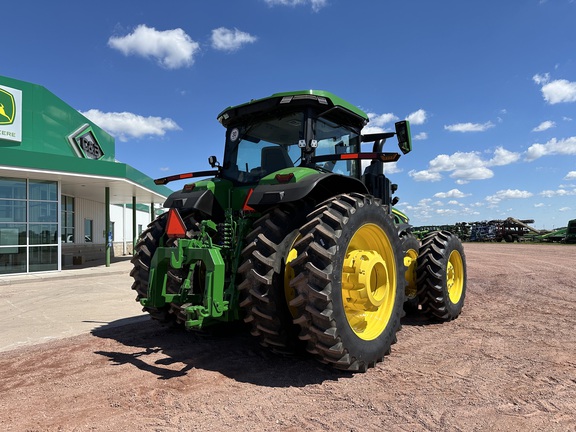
(175, 226)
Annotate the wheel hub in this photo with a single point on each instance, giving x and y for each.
(365, 280)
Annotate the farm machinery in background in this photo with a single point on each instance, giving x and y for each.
(565, 234)
(509, 230)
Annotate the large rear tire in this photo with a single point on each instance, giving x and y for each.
(349, 282)
(265, 290)
(442, 276)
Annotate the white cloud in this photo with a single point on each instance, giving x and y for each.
(507, 194)
(570, 176)
(556, 91)
(453, 193)
(224, 39)
(467, 174)
(503, 157)
(316, 4)
(539, 205)
(565, 146)
(544, 126)
(458, 160)
(559, 91)
(172, 49)
(465, 166)
(564, 209)
(421, 136)
(425, 209)
(380, 120)
(391, 168)
(541, 79)
(367, 130)
(425, 175)
(417, 117)
(469, 127)
(557, 193)
(127, 125)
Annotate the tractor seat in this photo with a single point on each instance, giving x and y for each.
(275, 158)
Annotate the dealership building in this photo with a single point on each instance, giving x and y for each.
(64, 199)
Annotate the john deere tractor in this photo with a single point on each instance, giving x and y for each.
(295, 233)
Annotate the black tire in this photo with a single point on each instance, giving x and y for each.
(410, 250)
(265, 289)
(442, 276)
(349, 244)
(144, 251)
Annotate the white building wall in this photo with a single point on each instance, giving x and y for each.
(123, 233)
(85, 209)
(120, 215)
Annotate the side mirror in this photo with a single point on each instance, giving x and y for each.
(403, 135)
(213, 161)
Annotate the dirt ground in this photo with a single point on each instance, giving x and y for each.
(508, 363)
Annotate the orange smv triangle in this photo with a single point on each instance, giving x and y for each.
(175, 226)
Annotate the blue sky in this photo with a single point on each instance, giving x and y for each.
(489, 86)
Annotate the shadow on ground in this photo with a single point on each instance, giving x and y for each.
(229, 350)
(170, 352)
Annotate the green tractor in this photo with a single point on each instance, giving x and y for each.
(295, 233)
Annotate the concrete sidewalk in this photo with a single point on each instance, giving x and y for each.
(36, 308)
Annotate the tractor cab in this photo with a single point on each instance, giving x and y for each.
(311, 129)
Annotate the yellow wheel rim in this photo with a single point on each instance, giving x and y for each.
(410, 261)
(369, 282)
(455, 277)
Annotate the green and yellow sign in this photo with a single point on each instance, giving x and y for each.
(10, 114)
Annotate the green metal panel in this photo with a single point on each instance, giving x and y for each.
(48, 121)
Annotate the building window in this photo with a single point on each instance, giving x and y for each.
(88, 234)
(67, 216)
(28, 225)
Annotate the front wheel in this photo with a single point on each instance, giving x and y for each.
(349, 282)
(441, 276)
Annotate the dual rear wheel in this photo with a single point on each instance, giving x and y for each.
(333, 280)
(329, 280)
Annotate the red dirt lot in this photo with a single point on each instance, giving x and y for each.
(508, 363)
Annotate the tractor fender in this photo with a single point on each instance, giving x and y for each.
(200, 200)
(319, 186)
(403, 228)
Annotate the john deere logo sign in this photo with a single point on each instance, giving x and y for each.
(10, 114)
(85, 143)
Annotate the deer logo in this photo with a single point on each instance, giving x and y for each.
(3, 112)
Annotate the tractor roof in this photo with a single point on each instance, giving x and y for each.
(290, 100)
